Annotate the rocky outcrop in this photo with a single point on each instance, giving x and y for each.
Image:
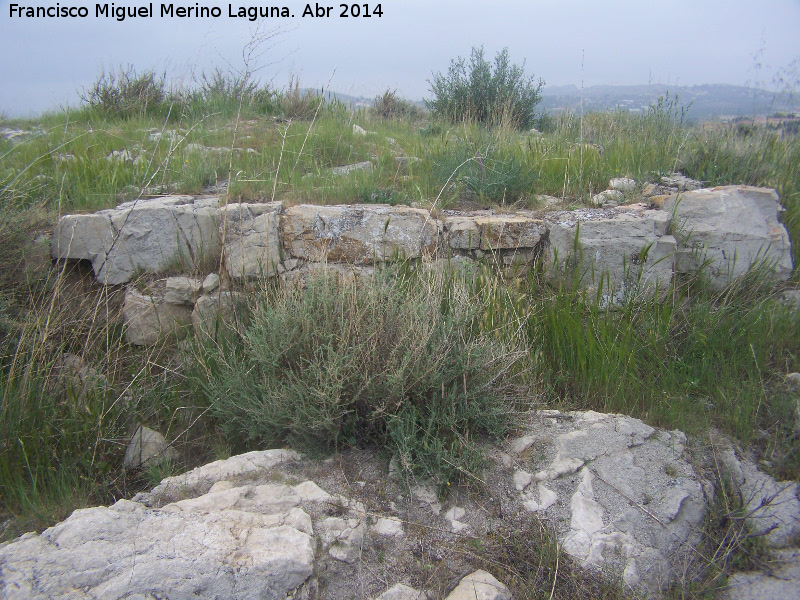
(725, 231)
(621, 495)
(619, 254)
(143, 235)
(358, 235)
(628, 500)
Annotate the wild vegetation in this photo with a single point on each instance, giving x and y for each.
(423, 366)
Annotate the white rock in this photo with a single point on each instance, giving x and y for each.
(624, 251)
(129, 551)
(142, 235)
(724, 231)
(210, 283)
(522, 479)
(402, 592)
(251, 239)
(608, 198)
(358, 235)
(204, 477)
(480, 585)
(182, 290)
(149, 319)
(147, 446)
(357, 130)
(213, 310)
(389, 527)
(347, 169)
(520, 444)
(625, 185)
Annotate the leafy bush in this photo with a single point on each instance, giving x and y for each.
(393, 361)
(127, 94)
(390, 106)
(476, 92)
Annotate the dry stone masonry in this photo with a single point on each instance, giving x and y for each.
(624, 250)
(615, 253)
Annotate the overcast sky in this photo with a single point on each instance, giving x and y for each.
(43, 62)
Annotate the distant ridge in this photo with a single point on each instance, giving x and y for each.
(703, 101)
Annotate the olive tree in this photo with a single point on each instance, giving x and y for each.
(477, 90)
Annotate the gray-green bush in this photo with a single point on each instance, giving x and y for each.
(477, 92)
(397, 361)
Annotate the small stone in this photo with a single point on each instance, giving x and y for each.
(402, 592)
(793, 381)
(623, 184)
(147, 446)
(182, 290)
(522, 479)
(480, 585)
(520, 444)
(211, 282)
(609, 198)
(357, 130)
(425, 494)
(389, 528)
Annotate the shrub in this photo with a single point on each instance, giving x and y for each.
(476, 92)
(127, 94)
(490, 173)
(220, 90)
(297, 104)
(394, 361)
(389, 106)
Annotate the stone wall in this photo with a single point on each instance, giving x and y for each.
(622, 252)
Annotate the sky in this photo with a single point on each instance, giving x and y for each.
(46, 62)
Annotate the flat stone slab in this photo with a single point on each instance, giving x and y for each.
(358, 235)
(251, 239)
(141, 236)
(493, 232)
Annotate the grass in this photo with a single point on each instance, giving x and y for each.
(408, 363)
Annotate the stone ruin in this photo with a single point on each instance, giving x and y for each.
(621, 253)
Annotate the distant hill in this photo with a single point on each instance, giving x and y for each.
(704, 102)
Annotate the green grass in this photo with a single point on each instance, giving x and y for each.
(385, 364)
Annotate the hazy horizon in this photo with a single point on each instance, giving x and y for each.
(573, 42)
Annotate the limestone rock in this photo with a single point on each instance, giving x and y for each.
(142, 235)
(480, 585)
(402, 592)
(631, 503)
(781, 582)
(252, 240)
(358, 235)
(773, 508)
(147, 447)
(724, 231)
(389, 527)
(128, 550)
(626, 185)
(182, 290)
(347, 169)
(211, 311)
(625, 251)
(210, 283)
(493, 232)
(608, 198)
(358, 130)
(199, 480)
(149, 319)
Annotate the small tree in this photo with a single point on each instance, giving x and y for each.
(476, 92)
